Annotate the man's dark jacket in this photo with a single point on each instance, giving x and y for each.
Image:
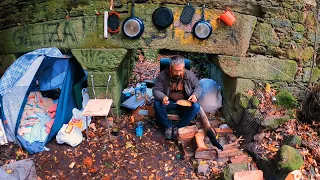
(162, 85)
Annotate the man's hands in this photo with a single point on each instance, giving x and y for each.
(165, 100)
(193, 98)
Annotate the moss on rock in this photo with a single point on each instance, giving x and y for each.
(290, 159)
(285, 99)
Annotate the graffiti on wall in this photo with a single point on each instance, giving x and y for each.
(58, 33)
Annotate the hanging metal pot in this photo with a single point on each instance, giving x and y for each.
(202, 29)
(162, 17)
(133, 27)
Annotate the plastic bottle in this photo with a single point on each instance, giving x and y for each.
(139, 129)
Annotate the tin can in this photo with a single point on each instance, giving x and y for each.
(143, 90)
(137, 92)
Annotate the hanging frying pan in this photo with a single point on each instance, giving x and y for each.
(133, 27)
(187, 14)
(202, 29)
(162, 17)
(113, 20)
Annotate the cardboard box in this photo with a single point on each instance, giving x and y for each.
(145, 110)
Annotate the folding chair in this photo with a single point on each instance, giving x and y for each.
(98, 107)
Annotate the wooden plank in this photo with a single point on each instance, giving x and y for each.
(249, 175)
(229, 152)
(187, 133)
(97, 107)
(242, 158)
(209, 154)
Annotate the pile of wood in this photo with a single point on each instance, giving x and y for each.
(196, 144)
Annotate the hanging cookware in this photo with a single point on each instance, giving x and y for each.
(228, 17)
(202, 29)
(113, 20)
(162, 17)
(133, 27)
(187, 14)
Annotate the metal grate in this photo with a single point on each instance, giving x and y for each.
(253, 116)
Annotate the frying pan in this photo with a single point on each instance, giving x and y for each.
(133, 27)
(162, 17)
(202, 29)
(113, 20)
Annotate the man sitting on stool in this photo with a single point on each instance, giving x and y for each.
(173, 84)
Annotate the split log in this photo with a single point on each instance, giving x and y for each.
(209, 154)
(254, 175)
(173, 117)
(208, 130)
(187, 133)
(204, 119)
(201, 146)
(228, 152)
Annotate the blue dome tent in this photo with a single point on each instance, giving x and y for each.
(43, 70)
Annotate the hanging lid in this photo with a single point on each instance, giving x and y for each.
(187, 14)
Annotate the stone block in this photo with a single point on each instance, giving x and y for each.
(282, 23)
(243, 85)
(274, 121)
(298, 27)
(296, 53)
(315, 74)
(289, 159)
(257, 49)
(231, 169)
(100, 59)
(261, 67)
(266, 35)
(271, 9)
(294, 16)
(86, 32)
(293, 140)
(5, 62)
(275, 51)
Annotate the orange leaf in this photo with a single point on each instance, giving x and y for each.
(87, 161)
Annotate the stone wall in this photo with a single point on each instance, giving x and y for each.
(271, 41)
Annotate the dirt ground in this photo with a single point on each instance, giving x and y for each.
(126, 156)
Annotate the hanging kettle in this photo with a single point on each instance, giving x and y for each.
(133, 27)
(202, 29)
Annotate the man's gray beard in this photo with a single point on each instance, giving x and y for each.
(177, 78)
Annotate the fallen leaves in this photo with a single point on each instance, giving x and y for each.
(71, 165)
(88, 161)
